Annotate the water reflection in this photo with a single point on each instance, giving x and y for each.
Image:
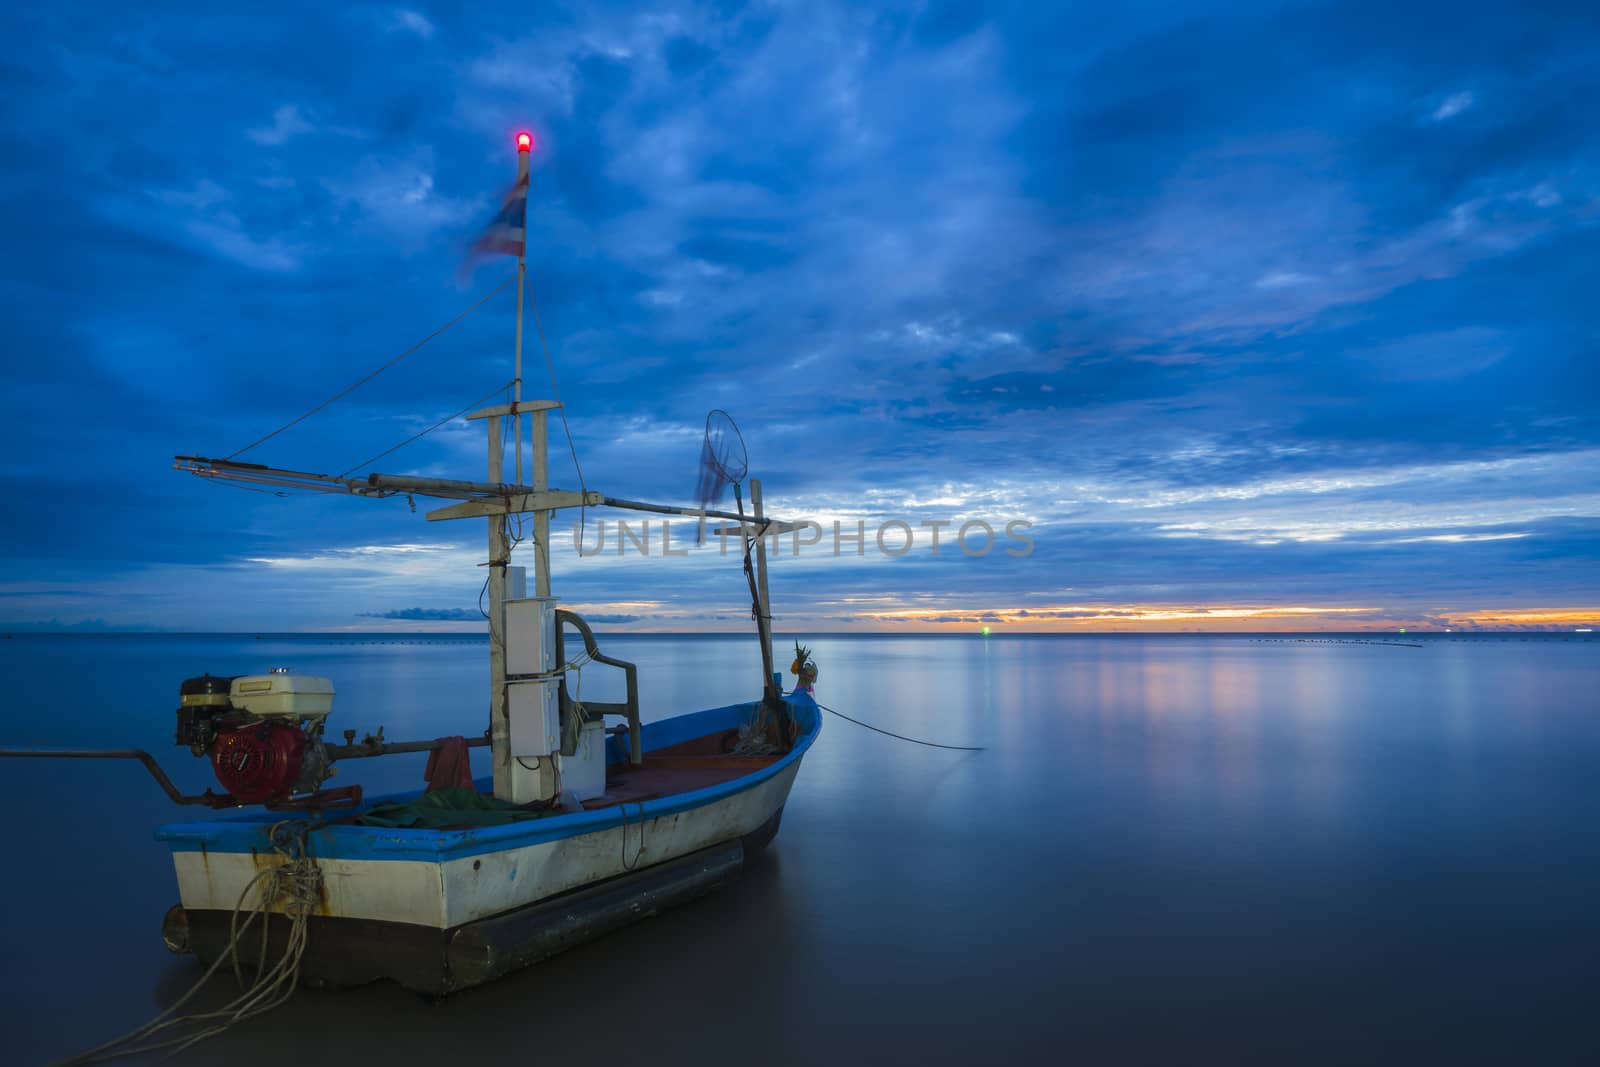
(1173, 848)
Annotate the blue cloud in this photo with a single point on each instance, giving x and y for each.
(1230, 303)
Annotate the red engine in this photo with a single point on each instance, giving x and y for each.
(265, 740)
(259, 762)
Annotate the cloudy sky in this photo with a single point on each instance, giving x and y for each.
(1283, 317)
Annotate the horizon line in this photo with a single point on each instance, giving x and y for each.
(944, 632)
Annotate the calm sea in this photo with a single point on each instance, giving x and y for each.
(1174, 849)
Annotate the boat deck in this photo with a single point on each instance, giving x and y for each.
(698, 763)
(688, 762)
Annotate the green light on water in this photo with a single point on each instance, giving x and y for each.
(986, 631)
(1402, 629)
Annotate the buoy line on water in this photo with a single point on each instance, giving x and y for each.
(902, 737)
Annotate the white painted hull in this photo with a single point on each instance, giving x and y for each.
(461, 890)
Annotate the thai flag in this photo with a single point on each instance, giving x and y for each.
(508, 233)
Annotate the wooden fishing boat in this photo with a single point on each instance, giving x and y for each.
(579, 828)
(438, 910)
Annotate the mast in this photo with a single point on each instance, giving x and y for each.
(514, 780)
(499, 559)
(524, 154)
(539, 438)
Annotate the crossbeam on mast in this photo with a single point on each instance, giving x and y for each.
(672, 509)
(758, 528)
(387, 485)
(224, 470)
(513, 503)
(478, 499)
(524, 407)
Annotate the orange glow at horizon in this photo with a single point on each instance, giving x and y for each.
(656, 616)
(1100, 617)
(1528, 617)
(1071, 618)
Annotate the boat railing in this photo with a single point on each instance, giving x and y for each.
(575, 712)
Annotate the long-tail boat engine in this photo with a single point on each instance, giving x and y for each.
(262, 732)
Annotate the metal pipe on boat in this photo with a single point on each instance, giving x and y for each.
(385, 748)
(207, 467)
(668, 509)
(208, 797)
(451, 487)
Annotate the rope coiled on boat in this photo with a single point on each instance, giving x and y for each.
(297, 882)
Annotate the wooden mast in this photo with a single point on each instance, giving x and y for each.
(538, 428)
(499, 543)
(524, 153)
(499, 558)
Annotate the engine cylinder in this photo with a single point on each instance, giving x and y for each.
(206, 691)
(201, 701)
(258, 762)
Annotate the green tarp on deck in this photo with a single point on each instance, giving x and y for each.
(444, 808)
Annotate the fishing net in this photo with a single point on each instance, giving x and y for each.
(723, 461)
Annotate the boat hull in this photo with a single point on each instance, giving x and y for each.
(439, 911)
(435, 962)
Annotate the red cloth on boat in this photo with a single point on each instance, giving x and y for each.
(449, 765)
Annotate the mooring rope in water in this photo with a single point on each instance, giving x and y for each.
(298, 881)
(888, 733)
(902, 737)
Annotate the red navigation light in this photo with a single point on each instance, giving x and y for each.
(524, 142)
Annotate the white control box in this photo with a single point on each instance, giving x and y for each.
(531, 635)
(583, 773)
(535, 713)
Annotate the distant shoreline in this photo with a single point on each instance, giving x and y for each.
(1370, 636)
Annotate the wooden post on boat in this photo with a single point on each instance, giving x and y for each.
(772, 693)
(763, 600)
(541, 518)
(499, 558)
(514, 780)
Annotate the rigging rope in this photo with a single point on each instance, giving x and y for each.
(298, 880)
(363, 381)
(424, 433)
(538, 326)
(902, 737)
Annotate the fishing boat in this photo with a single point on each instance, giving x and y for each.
(441, 909)
(582, 824)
